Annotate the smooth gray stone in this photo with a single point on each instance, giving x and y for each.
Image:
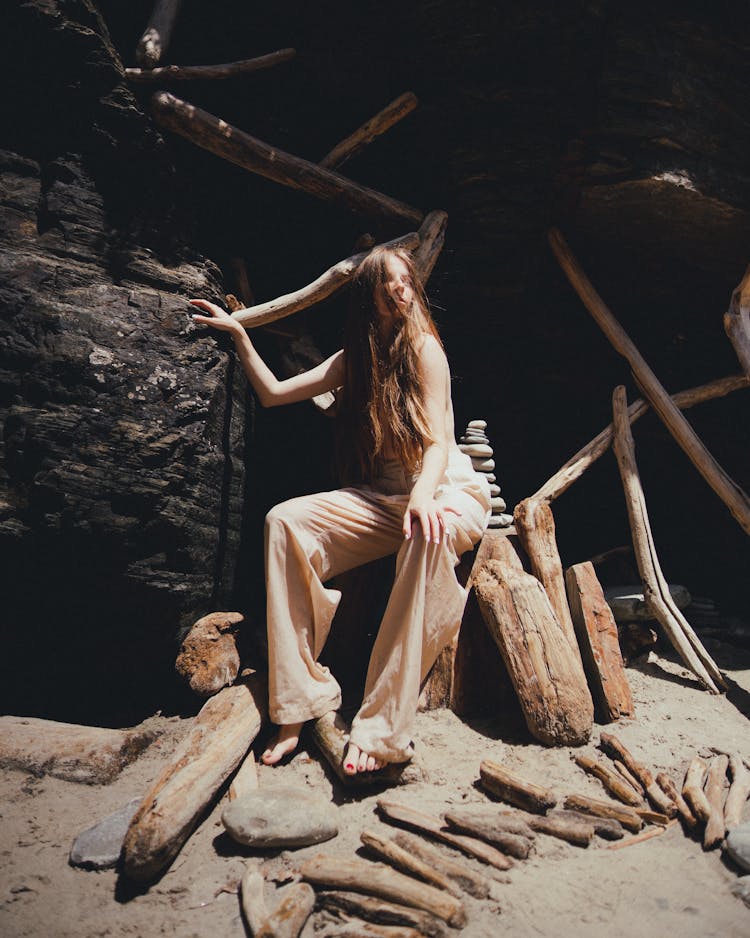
(482, 465)
(737, 845)
(494, 490)
(280, 817)
(476, 425)
(741, 888)
(476, 449)
(500, 521)
(471, 438)
(497, 505)
(628, 605)
(99, 847)
(490, 476)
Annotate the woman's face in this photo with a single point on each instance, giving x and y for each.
(397, 287)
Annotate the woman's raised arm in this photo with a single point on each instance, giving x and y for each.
(327, 376)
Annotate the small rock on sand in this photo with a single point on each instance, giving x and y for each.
(280, 817)
(99, 847)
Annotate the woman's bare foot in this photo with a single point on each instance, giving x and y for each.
(355, 760)
(285, 742)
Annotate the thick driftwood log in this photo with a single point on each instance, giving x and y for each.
(220, 736)
(208, 658)
(563, 825)
(479, 821)
(596, 631)
(477, 885)
(607, 828)
(288, 918)
(433, 827)
(614, 748)
(155, 40)
(629, 777)
(605, 809)
(517, 791)
(167, 73)
(738, 792)
(330, 734)
(737, 322)
(692, 789)
(670, 789)
(726, 488)
(535, 524)
(245, 779)
(575, 467)
(232, 144)
(613, 782)
(375, 879)
(545, 669)
(715, 827)
(252, 898)
(326, 284)
(400, 858)
(376, 126)
(88, 754)
(383, 913)
(655, 589)
(431, 240)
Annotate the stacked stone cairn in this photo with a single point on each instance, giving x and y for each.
(476, 444)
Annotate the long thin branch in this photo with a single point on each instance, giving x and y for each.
(156, 38)
(167, 73)
(391, 114)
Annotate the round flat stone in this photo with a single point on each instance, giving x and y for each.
(99, 847)
(482, 465)
(491, 477)
(737, 845)
(476, 425)
(474, 438)
(500, 521)
(497, 505)
(628, 604)
(476, 449)
(280, 817)
(494, 490)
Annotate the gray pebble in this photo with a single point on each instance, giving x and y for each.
(494, 490)
(500, 521)
(476, 425)
(628, 605)
(497, 505)
(99, 847)
(482, 465)
(737, 845)
(476, 449)
(280, 817)
(490, 476)
(741, 888)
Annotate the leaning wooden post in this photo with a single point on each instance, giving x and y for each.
(154, 42)
(431, 240)
(391, 114)
(167, 73)
(726, 488)
(230, 143)
(737, 322)
(655, 589)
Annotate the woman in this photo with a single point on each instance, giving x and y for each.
(412, 492)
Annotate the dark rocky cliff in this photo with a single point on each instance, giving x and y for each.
(123, 468)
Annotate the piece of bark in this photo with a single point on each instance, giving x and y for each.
(383, 913)
(288, 918)
(737, 322)
(326, 284)
(630, 778)
(219, 738)
(692, 789)
(596, 631)
(652, 817)
(87, 754)
(252, 897)
(245, 779)
(376, 879)
(164, 74)
(726, 488)
(208, 658)
(502, 783)
(433, 827)
(655, 589)
(476, 884)
(715, 827)
(670, 789)
(605, 809)
(575, 467)
(356, 929)
(614, 783)
(545, 669)
(479, 821)
(563, 825)
(606, 828)
(644, 835)
(431, 240)
(535, 524)
(376, 126)
(158, 33)
(738, 792)
(401, 859)
(617, 750)
(211, 133)
(330, 734)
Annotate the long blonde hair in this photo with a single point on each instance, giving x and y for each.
(382, 400)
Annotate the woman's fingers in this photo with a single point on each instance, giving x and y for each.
(406, 527)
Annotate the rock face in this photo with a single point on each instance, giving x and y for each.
(122, 475)
(280, 817)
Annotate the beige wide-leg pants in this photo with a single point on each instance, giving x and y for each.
(315, 537)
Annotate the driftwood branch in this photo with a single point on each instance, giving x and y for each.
(738, 792)
(252, 898)
(715, 827)
(692, 789)
(155, 40)
(656, 591)
(167, 73)
(670, 789)
(575, 467)
(483, 821)
(326, 284)
(737, 322)
(431, 240)
(626, 816)
(515, 790)
(614, 783)
(613, 747)
(382, 913)
(391, 114)
(288, 918)
(230, 143)
(477, 885)
(639, 838)
(402, 859)
(728, 491)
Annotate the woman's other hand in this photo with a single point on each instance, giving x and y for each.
(430, 516)
(218, 318)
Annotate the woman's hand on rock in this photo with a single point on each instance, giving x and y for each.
(217, 318)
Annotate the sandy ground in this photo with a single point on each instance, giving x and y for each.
(650, 889)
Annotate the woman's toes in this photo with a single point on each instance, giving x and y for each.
(351, 760)
(371, 764)
(362, 762)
